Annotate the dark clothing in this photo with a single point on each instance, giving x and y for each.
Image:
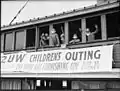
(47, 40)
(42, 43)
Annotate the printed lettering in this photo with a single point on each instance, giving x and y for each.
(68, 56)
(90, 55)
(3, 59)
(97, 54)
(19, 58)
(11, 58)
(80, 57)
(85, 55)
(31, 58)
(75, 55)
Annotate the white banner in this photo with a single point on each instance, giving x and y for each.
(92, 59)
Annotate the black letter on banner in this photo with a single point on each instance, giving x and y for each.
(95, 54)
(85, 55)
(59, 55)
(31, 58)
(75, 55)
(68, 56)
(48, 57)
(90, 55)
(80, 58)
(20, 57)
(11, 57)
(3, 59)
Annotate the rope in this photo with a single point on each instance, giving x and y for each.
(19, 12)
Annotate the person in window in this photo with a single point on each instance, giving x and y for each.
(62, 36)
(47, 38)
(75, 39)
(54, 38)
(91, 35)
(80, 34)
(42, 40)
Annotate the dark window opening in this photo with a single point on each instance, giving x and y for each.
(53, 85)
(93, 28)
(75, 34)
(56, 84)
(66, 84)
(19, 40)
(113, 26)
(43, 84)
(44, 36)
(30, 40)
(60, 31)
(8, 41)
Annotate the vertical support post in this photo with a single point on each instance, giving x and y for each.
(36, 37)
(13, 44)
(25, 38)
(2, 41)
(50, 28)
(66, 32)
(83, 26)
(103, 27)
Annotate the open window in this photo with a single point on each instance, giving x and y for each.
(44, 36)
(43, 84)
(19, 39)
(56, 84)
(50, 84)
(75, 32)
(94, 33)
(60, 31)
(30, 38)
(8, 41)
(113, 25)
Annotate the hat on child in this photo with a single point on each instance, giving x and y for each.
(75, 36)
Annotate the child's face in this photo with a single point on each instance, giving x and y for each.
(43, 34)
(46, 34)
(53, 31)
(74, 36)
(87, 32)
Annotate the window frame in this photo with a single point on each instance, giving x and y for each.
(20, 30)
(2, 42)
(108, 14)
(10, 32)
(30, 47)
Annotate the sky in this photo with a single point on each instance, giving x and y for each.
(38, 8)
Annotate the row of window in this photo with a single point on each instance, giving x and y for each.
(50, 84)
(47, 36)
